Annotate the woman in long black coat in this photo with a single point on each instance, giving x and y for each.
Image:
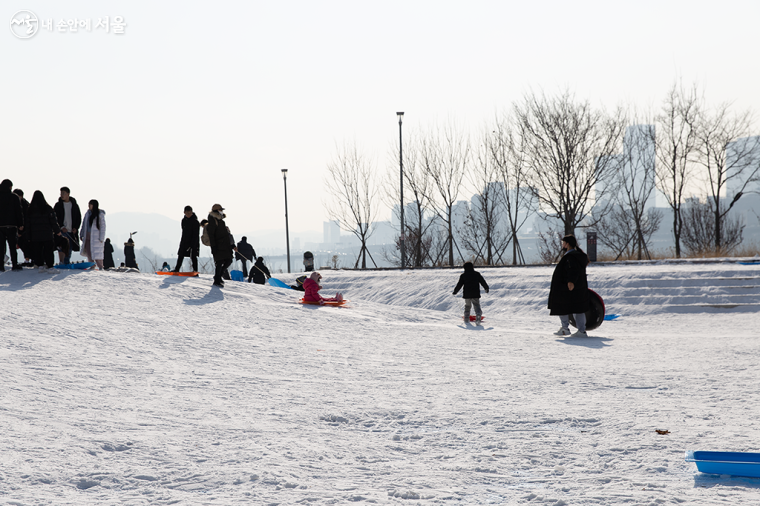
(569, 289)
(108, 262)
(42, 227)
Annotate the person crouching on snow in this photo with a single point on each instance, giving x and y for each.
(471, 280)
(311, 288)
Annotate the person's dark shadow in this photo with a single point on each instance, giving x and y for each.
(13, 281)
(587, 342)
(172, 280)
(704, 480)
(216, 294)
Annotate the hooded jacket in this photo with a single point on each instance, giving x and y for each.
(221, 244)
(311, 290)
(41, 225)
(471, 280)
(259, 273)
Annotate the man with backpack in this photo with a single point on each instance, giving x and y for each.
(218, 237)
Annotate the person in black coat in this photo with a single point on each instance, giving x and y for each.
(69, 218)
(189, 245)
(108, 262)
(129, 254)
(222, 244)
(42, 227)
(259, 272)
(23, 238)
(471, 280)
(245, 253)
(569, 289)
(11, 223)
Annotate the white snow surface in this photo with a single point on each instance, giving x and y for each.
(122, 388)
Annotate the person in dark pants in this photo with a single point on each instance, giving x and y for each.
(129, 254)
(221, 243)
(23, 238)
(245, 253)
(69, 218)
(471, 280)
(42, 227)
(108, 262)
(259, 272)
(11, 223)
(189, 244)
(569, 289)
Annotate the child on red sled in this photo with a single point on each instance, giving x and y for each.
(311, 288)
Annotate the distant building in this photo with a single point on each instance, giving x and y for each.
(331, 232)
(742, 156)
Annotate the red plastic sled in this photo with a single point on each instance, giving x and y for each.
(472, 318)
(169, 273)
(327, 303)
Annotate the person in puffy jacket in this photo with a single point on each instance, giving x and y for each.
(471, 280)
(311, 290)
(93, 233)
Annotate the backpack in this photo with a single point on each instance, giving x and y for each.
(205, 239)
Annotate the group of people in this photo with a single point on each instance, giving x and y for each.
(216, 234)
(39, 229)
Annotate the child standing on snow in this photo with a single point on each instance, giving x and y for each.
(471, 280)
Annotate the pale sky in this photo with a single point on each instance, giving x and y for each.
(205, 102)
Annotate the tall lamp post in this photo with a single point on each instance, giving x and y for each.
(402, 237)
(287, 232)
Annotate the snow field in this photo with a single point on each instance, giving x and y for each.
(140, 389)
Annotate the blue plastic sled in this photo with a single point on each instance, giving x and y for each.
(279, 284)
(237, 276)
(732, 463)
(610, 317)
(79, 266)
(749, 263)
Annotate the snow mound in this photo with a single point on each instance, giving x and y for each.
(144, 389)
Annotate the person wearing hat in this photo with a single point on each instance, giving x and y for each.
(569, 288)
(311, 287)
(221, 242)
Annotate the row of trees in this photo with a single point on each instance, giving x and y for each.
(561, 159)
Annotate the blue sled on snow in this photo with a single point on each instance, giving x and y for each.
(79, 266)
(732, 463)
(278, 284)
(237, 276)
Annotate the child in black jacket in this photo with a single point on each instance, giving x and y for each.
(471, 280)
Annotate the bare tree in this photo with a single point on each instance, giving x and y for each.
(508, 152)
(483, 233)
(444, 154)
(637, 181)
(351, 187)
(675, 139)
(727, 156)
(417, 190)
(699, 229)
(623, 233)
(569, 147)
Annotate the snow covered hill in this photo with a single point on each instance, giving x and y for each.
(141, 389)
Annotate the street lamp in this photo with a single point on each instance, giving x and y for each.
(287, 233)
(401, 173)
